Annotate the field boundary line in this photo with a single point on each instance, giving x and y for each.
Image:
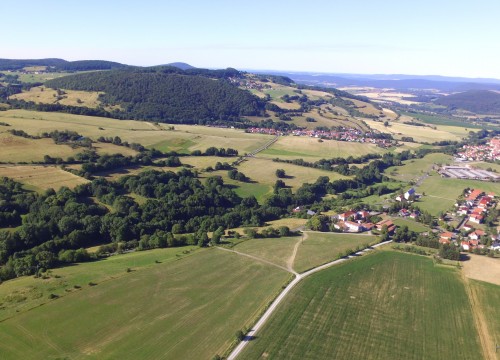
(257, 258)
(274, 305)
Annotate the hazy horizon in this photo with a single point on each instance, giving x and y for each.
(444, 38)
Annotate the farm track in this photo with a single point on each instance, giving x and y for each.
(291, 260)
(274, 305)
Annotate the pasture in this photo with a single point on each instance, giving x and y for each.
(385, 305)
(412, 225)
(488, 296)
(276, 250)
(184, 309)
(319, 248)
(41, 177)
(310, 149)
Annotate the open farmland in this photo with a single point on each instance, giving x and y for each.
(310, 149)
(41, 177)
(264, 172)
(276, 250)
(419, 133)
(488, 296)
(412, 225)
(319, 248)
(185, 138)
(383, 306)
(152, 313)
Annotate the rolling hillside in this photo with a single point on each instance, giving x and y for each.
(476, 101)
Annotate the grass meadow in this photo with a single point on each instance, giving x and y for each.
(385, 305)
(182, 309)
(319, 248)
(415, 168)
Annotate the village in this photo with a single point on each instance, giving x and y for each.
(487, 152)
(344, 134)
(464, 226)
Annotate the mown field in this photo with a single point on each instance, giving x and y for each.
(382, 306)
(412, 225)
(184, 138)
(310, 149)
(420, 133)
(275, 250)
(488, 295)
(183, 309)
(41, 177)
(319, 248)
(441, 193)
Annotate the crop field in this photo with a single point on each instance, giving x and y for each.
(184, 138)
(43, 95)
(319, 248)
(385, 305)
(310, 149)
(441, 193)
(419, 133)
(415, 168)
(445, 121)
(41, 177)
(184, 309)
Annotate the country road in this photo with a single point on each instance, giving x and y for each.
(298, 277)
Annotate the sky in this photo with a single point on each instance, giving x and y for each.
(438, 37)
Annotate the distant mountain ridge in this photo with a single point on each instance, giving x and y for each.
(394, 81)
(181, 65)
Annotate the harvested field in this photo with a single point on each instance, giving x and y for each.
(42, 177)
(482, 268)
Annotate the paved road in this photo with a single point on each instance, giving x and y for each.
(298, 277)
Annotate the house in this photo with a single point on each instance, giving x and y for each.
(400, 197)
(495, 245)
(404, 212)
(465, 245)
(467, 227)
(297, 209)
(390, 225)
(444, 241)
(368, 226)
(446, 236)
(409, 193)
(345, 216)
(476, 235)
(363, 215)
(463, 210)
(311, 213)
(476, 218)
(473, 243)
(474, 195)
(353, 226)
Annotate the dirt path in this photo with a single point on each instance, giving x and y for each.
(487, 343)
(257, 258)
(291, 260)
(298, 277)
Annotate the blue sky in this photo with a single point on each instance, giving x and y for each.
(440, 37)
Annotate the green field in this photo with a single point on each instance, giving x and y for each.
(441, 193)
(383, 306)
(489, 297)
(412, 225)
(185, 309)
(319, 248)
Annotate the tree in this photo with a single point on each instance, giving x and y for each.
(280, 173)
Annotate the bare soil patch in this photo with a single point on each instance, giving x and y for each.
(482, 268)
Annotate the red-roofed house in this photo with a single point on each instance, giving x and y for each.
(363, 215)
(346, 215)
(476, 218)
(476, 235)
(465, 245)
(468, 227)
(474, 195)
(445, 237)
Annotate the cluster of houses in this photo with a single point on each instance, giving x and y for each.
(475, 207)
(346, 134)
(353, 221)
(410, 195)
(489, 151)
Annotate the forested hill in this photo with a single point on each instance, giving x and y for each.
(60, 64)
(477, 101)
(168, 94)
